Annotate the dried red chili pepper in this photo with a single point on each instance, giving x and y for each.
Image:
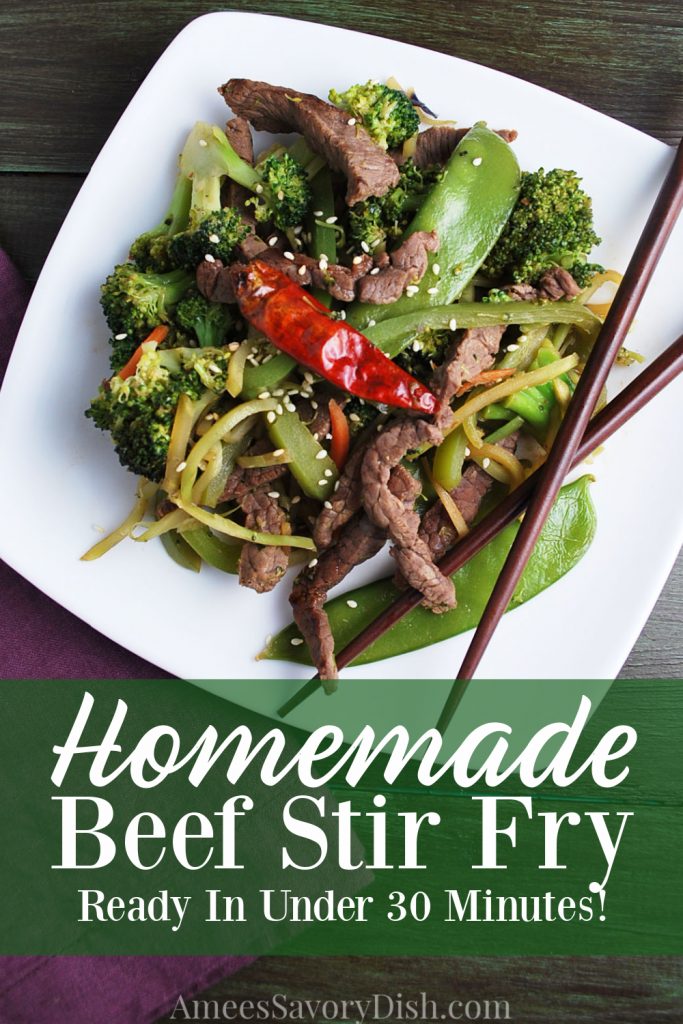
(299, 325)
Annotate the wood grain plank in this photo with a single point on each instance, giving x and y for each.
(564, 990)
(67, 71)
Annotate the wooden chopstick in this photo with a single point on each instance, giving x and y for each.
(649, 382)
(650, 246)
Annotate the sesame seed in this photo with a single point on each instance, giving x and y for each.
(417, 346)
(336, 485)
(209, 258)
(120, 337)
(296, 499)
(375, 270)
(314, 405)
(371, 323)
(322, 263)
(477, 161)
(322, 454)
(322, 483)
(272, 240)
(312, 564)
(467, 452)
(432, 291)
(327, 504)
(486, 463)
(351, 121)
(273, 494)
(290, 407)
(328, 473)
(452, 324)
(270, 416)
(288, 255)
(365, 247)
(317, 213)
(203, 142)
(298, 229)
(214, 368)
(259, 189)
(331, 220)
(328, 437)
(278, 409)
(180, 467)
(281, 195)
(302, 270)
(356, 260)
(342, 314)
(512, 348)
(265, 394)
(296, 641)
(352, 604)
(233, 346)
(411, 290)
(214, 238)
(436, 269)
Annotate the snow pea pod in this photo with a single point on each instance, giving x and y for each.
(566, 536)
(468, 208)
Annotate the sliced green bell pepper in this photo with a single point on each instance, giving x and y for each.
(448, 459)
(310, 464)
(392, 336)
(468, 208)
(211, 550)
(565, 539)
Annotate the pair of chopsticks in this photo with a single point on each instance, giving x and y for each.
(575, 440)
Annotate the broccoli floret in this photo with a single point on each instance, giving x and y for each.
(424, 353)
(150, 251)
(138, 412)
(496, 295)
(360, 414)
(551, 225)
(286, 195)
(214, 234)
(387, 114)
(378, 222)
(583, 273)
(280, 184)
(208, 322)
(134, 303)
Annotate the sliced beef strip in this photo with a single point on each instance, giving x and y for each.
(436, 528)
(408, 266)
(243, 481)
(343, 503)
(316, 419)
(261, 567)
(410, 551)
(475, 351)
(521, 292)
(214, 281)
(359, 540)
(435, 145)
(334, 278)
(347, 148)
(557, 283)
(239, 136)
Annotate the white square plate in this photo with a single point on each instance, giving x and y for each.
(62, 479)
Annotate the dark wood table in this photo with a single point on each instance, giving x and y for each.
(68, 70)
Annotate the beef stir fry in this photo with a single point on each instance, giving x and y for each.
(355, 338)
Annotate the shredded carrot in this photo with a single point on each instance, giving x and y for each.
(485, 377)
(341, 435)
(155, 337)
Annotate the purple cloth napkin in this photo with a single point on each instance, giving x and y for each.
(40, 640)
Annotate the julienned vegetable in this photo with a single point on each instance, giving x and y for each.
(273, 419)
(566, 537)
(293, 321)
(468, 208)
